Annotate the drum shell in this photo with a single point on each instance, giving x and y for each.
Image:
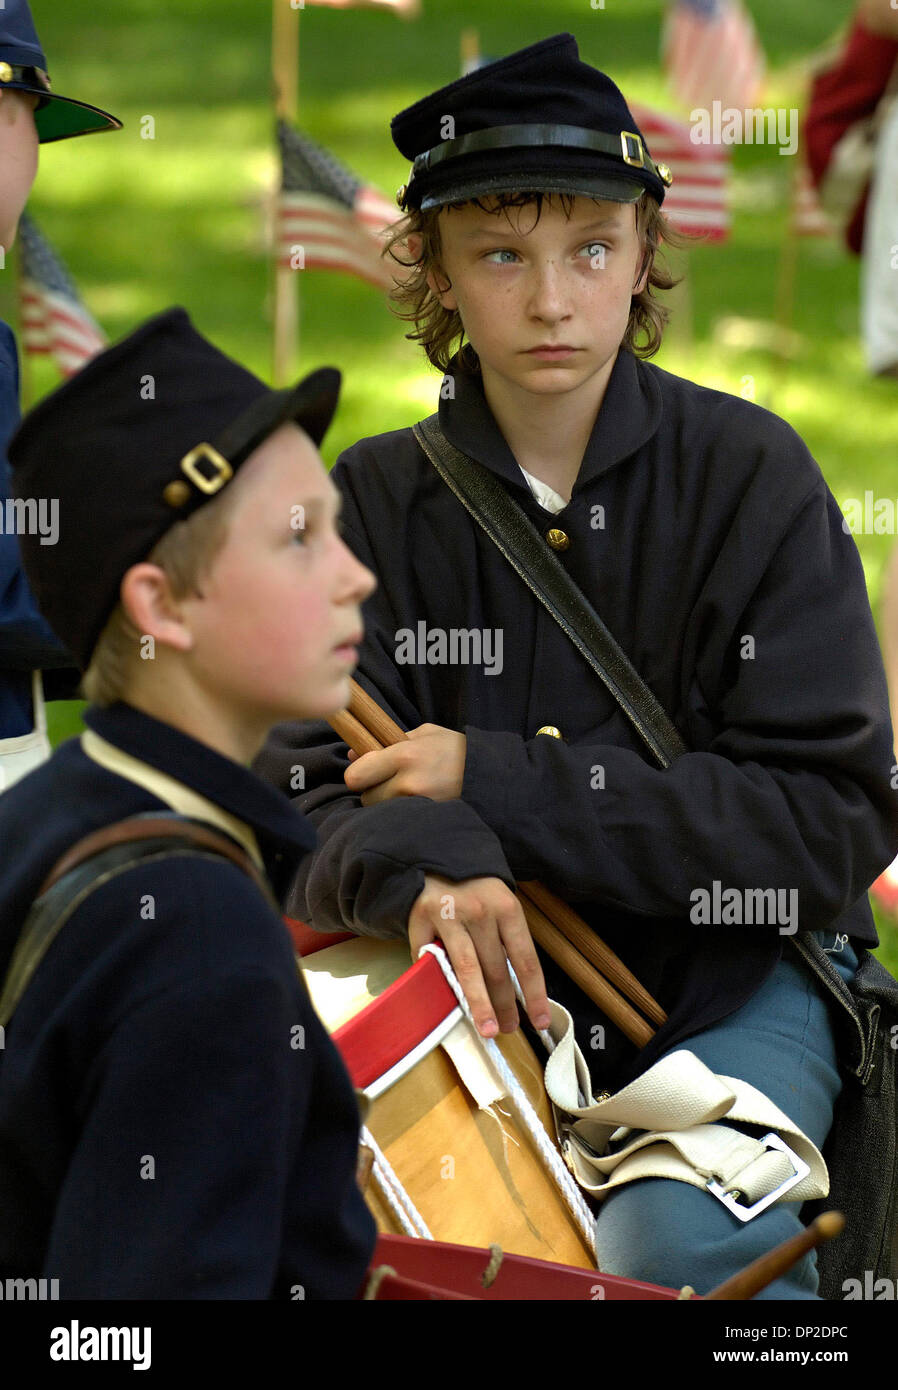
(474, 1175)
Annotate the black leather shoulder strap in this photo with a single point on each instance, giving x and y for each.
(524, 548)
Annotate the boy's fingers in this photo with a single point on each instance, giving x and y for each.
(521, 951)
(369, 770)
(494, 968)
(466, 964)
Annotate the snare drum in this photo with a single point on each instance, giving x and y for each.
(466, 1168)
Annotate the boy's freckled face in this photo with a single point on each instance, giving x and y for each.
(283, 593)
(18, 158)
(522, 286)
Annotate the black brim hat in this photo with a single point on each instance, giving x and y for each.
(539, 120)
(23, 68)
(141, 437)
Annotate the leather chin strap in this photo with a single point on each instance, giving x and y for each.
(663, 1125)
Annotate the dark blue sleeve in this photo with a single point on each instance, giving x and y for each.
(27, 642)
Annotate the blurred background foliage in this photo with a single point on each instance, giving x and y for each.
(182, 219)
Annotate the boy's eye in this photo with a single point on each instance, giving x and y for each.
(597, 249)
(504, 252)
(301, 533)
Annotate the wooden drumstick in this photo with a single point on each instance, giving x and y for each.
(781, 1258)
(369, 714)
(354, 733)
(592, 983)
(593, 948)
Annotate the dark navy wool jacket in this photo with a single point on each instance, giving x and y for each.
(161, 1133)
(702, 531)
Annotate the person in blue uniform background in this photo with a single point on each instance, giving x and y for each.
(30, 115)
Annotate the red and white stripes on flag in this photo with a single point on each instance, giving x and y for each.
(327, 218)
(711, 53)
(54, 320)
(698, 199)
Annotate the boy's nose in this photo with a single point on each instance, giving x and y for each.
(360, 581)
(547, 300)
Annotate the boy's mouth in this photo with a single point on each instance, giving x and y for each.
(350, 644)
(551, 351)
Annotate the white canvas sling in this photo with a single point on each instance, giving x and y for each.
(664, 1125)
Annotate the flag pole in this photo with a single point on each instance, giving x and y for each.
(285, 77)
(784, 303)
(470, 48)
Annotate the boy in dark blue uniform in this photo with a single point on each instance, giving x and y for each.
(702, 531)
(30, 115)
(174, 1120)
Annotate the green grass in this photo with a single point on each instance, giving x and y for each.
(144, 224)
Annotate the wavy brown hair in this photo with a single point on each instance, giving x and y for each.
(441, 332)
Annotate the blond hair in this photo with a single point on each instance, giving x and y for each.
(439, 330)
(186, 553)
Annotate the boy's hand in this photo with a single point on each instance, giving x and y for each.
(430, 762)
(486, 926)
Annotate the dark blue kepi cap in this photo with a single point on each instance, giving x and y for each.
(122, 467)
(539, 120)
(23, 68)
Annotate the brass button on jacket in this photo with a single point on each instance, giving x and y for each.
(558, 540)
(550, 730)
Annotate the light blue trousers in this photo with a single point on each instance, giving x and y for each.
(782, 1042)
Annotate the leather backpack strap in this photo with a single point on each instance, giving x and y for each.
(154, 825)
(511, 530)
(93, 862)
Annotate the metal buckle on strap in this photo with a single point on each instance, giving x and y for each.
(770, 1141)
(221, 469)
(632, 149)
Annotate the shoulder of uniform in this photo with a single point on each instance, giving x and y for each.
(199, 907)
(390, 448)
(739, 424)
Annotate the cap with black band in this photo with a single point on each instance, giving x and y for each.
(143, 436)
(476, 137)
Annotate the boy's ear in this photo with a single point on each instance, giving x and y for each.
(148, 601)
(441, 289)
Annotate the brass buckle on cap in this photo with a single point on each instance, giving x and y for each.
(770, 1141)
(223, 470)
(629, 158)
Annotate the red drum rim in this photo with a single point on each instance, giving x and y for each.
(406, 1021)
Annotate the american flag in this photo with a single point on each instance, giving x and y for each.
(711, 53)
(53, 318)
(328, 218)
(697, 200)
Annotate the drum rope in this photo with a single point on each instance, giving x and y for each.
(531, 1121)
(545, 1036)
(378, 1275)
(400, 1203)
